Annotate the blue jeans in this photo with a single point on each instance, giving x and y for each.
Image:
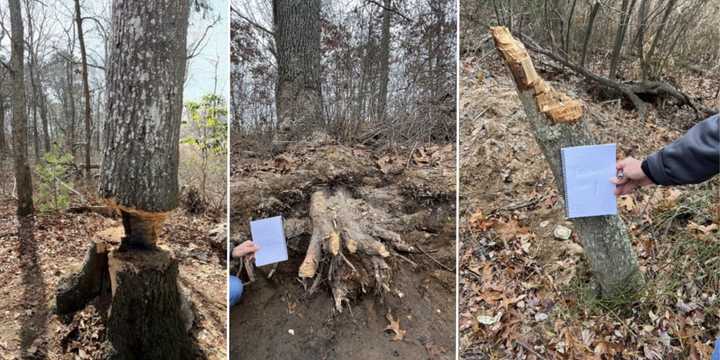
(716, 354)
(236, 290)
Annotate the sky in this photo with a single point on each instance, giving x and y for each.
(201, 69)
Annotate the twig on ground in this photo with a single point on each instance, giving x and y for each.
(528, 348)
(433, 259)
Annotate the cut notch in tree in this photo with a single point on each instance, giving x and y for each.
(604, 238)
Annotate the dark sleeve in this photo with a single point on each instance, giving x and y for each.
(692, 159)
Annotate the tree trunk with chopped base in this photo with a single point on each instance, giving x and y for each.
(557, 122)
(145, 74)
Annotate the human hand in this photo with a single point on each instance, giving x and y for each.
(246, 248)
(633, 176)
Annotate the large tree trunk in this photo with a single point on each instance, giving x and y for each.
(19, 121)
(86, 88)
(145, 75)
(557, 122)
(384, 62)
(299, 95)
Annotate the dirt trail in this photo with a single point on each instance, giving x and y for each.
(278, 319)
(30, 273)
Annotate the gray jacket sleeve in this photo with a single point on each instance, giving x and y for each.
(692, 159)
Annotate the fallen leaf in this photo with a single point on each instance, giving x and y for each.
(394, 326)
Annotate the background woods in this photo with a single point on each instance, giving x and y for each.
(368, 69)
(647, 51)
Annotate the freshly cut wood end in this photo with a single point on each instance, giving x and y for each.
(351, 245)
(307, 269)
(334, 243)
(566, 112)
(159, 216)
(558, 107)
(516, 56)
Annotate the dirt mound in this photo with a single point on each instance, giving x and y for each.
(371, 248)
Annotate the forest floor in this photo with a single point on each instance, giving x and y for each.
(415, 319)
(54, 245)
(525, 294)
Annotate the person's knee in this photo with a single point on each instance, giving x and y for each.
(236, 290)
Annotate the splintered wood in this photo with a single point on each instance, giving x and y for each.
(558, 107)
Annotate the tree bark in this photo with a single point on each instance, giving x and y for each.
(627, 8)
(649, 71)
(19, 121)
(299, 95)
(145, 75)
(71, 139)
(384, 62)
(145, 321)
(3, 145)
(556, 123)
(588, 32)
(86, 88)
(641, 37)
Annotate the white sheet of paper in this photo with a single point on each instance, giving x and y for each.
(270, 236)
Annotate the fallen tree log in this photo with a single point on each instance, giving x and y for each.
(604, 238)
(635, 91)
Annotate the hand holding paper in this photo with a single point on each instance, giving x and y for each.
(587, 190)
(269, 235)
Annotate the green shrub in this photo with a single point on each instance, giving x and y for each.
(52, 189)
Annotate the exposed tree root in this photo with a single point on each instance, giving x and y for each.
(347, 236)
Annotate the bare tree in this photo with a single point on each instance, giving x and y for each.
(23, 179)
(86, 88)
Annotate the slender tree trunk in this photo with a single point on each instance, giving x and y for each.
(627, 8)
(299, 94)
(36, 135)
(567, 30)
(384, 62)
(23, 179)
(641, 38)
(658, 37)
(3, 145)
(72, 138)
(86, 88)
(557, 124)
(588, 32)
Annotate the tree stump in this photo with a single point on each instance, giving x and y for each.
(149, 315)
(145, 320)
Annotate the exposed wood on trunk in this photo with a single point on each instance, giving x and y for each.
(76, 290)
(604, 238)
(19, 120)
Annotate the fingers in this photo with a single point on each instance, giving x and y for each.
(618, 181)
